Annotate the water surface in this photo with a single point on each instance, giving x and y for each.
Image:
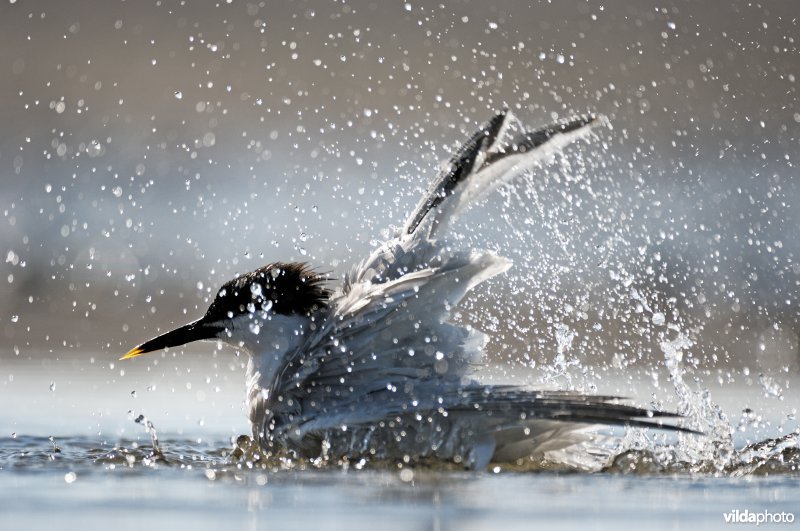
(78, 456)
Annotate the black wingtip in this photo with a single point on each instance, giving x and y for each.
(577, 123)
(490, 140)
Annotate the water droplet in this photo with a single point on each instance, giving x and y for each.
(70, 477)
(14, 318)
(133, 394)
(659, 319)
(52, 386)
(178, 95)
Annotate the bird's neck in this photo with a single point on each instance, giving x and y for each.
(267, 343)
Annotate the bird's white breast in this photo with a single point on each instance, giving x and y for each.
(267, 339)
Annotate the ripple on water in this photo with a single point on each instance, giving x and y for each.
(85, 456)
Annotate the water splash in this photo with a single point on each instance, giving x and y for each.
(778, 457)
(563, 361)
(129, 457)
(773, 457)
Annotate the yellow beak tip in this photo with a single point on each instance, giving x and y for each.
(132, 354)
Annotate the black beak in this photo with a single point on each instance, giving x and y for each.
(180, 336)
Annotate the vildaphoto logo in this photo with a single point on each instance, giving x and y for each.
(746, 516)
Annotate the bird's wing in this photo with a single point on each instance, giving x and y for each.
(504, 423)
(494, 155)
(387, 327)
(381, 336)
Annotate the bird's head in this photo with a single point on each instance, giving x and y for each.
(245, 306)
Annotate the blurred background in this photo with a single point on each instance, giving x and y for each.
(152, 150)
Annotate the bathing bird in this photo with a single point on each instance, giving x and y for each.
(374, 367)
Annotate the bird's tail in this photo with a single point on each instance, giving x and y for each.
(516, 423)
(490, 158)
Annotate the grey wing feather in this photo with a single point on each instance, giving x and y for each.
(505, 404)
(501, 423)
(382, 333)
(390, 316)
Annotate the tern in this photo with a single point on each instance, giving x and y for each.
(374, 368)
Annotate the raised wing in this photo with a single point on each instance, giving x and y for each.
(386, 333)
(493, 156)
(490, 158)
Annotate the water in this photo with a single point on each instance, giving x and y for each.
(100, 465)
(89, 484)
